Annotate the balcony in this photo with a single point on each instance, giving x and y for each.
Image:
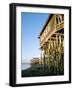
(60, 26)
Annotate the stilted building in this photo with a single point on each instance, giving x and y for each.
(52, 44)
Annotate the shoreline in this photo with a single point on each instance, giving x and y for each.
(38, 70)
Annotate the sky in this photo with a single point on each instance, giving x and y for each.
(31, 26)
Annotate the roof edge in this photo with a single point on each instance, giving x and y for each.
(46, 24)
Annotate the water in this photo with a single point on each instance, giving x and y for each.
(25, 66)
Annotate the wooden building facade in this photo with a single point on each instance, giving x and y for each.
(52, 44)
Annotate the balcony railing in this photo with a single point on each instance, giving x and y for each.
(60, 26)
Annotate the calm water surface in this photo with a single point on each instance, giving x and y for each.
(25, 66)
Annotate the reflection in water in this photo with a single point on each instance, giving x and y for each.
(25, 66)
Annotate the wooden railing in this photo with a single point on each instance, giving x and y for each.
(57, 27)
(60, 26)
